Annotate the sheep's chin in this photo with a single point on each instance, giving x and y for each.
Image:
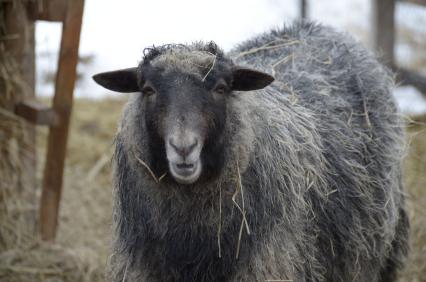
(185, 176)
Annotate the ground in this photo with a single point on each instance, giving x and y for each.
(83, 241)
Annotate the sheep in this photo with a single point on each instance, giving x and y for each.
(278, 161)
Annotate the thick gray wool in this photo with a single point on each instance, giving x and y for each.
(319, 153)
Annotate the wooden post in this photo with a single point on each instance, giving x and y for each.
(384, 41)
(62, 105)
(384, 29)
(303, 9)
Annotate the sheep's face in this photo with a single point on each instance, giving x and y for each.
(186, 115)
(185, 99)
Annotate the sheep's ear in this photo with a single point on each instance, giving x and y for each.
(124, 80)
(245, 79)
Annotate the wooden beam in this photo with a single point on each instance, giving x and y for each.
(384, 29)
(303, 9)
(62, 104)
(418, 2)
(49, 10)
(36, 113)
(408, 77)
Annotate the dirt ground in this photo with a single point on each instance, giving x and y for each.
(84, 235)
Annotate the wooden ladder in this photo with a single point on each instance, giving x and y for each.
(70, 13)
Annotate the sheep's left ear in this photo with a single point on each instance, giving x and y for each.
(124, 80)
(245, 79)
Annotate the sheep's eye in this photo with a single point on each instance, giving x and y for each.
(148, 91)
(220, 89)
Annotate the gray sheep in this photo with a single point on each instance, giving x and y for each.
(280, 161)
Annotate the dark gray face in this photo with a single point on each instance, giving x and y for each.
(185, 112)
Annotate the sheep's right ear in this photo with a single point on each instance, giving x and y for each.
(124, 80)
(245, 79)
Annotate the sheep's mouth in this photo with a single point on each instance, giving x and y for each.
(185, 173)
(184, 166)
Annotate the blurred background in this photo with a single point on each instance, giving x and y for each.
(113, 36)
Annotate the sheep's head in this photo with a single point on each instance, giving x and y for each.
(185, 92)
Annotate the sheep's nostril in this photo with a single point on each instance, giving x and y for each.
(174, 146)
(183, 149)
(192, 147)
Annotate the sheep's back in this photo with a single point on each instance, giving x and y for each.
(329, 130)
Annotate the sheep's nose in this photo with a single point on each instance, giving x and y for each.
(183, 148)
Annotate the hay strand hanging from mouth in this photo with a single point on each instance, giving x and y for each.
(156, 179)
(162, 176)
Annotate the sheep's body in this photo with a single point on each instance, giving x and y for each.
(319, 154)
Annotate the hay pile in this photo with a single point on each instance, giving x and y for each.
(17, 209)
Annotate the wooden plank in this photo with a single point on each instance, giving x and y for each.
(408, 77)
(384, 29)
(49, 10)
(62, 104)
(418, 2)
(36, 113)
